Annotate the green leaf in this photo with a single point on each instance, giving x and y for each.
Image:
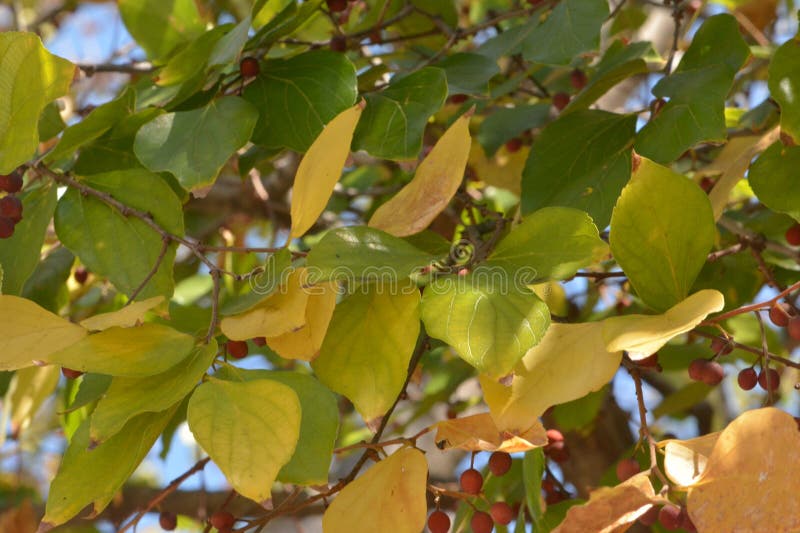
(91, 389)
(533, 463)
(683, 399)
(319, 424)
(368, 346)
(661, 230)
(193, 145)
(30, 78)
(392, 124)
(192, 59)
(696, 91)
(20, 254)
(579, 414)
(581, 160)
(274, 274)
(363, 254)
(508, 122)
(46, 286)
(159, 26)
(296, 97)
(128, 397)
(50, 122)
(93, 126)
(124, 249)
(784, 86)
(228, 48)
(140, 351)
(773, 178)
(249, 429)
(571, 28)
(489, 322)
(93, 476)
(551, 243)
(468, 73)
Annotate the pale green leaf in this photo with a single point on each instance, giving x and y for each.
(159, 26)
(784, 86)
(773, 178)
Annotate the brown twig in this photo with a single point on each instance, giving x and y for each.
(753, 307)
(164, 247)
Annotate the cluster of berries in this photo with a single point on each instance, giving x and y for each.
(10, 205)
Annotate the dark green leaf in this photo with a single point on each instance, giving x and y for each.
(159, 26)
(784, 86)
(571, 28)
(773, 178)
(508, 122)
(46, 285)
(468, 73)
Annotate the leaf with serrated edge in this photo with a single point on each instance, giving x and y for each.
(29, 333)
(390, 496)
(128, 316)
(249, 429)
(570, 362)
(304, 343)
(478, 433)
(320, 169)
(436, 181)
(643, 335)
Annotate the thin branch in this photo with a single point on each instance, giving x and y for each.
(164, 247)
(212, 326)
(747, 348)
(765, 356)
(144, 67)
(644, 430)
(753, 307)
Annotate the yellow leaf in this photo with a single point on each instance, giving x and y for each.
(321, 168)
(29, 388)
(29, 333)
(569, 363)
(752, 477)
(304, 343)
(478, 433)
(612, 509)
(503, 170)
(553, 294)
(685, 460)
(643, 335)
(284, 311)
(390, 496)
(436, 181)
(128, 316)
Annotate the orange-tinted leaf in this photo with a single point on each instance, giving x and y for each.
(685, 460)
(479, 433)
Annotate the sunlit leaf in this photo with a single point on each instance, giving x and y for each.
(478, 433)
(128, 316)
(784, 85)
(159, 26)
(774, 180)
(304, 343)
(686, 460)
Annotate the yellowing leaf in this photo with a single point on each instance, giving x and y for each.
(128, 316)
(249, 429)
(570, 362)
(304, 343)
(284, 311)
(134, 352)
(503, 170)
(436, 181)
(321, 168)
(478, 433)
(752, 477)
(390, 496)
(29, 333)
(28, 390)
(685, 460)
(643, 335)
(611, 509)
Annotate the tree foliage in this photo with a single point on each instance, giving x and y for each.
(349, 243)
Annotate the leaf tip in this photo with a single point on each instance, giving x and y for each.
(45, 526)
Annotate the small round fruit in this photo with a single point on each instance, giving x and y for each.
(650, 517)
(793, 235)
(6, 228)
(793, 328)
(11, 182)
(222, 520)
(560, 100)
(721, 346)
(557, 451)
(336, 6)
(237, 349)
(552, 498)
(627, 468)
(670, 517)
(11, 207)
(514, 145)
(747, 378)
(774, 379)
(651, 361)
(168, 521)
(707, 184)
(779, 314)
(713, 373)
(81, 275)
(502, 513)
(458, 99)
(338, 43)
(686, 522)
(249, 67)
(482, 522)
(439, 522)
(260, 341)
(578, 79)
(553, 436)
(697, 369)
(71, 374)
(499, 463)
(471, 481)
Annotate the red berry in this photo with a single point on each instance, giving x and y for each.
(260, 341)
(338, 43)
(514, 145)
(11, 207)
(502, 513)
(779, 314)
(552, 498)
(11, 182)
(535, 2)
(81, 275)
(794, 328)
(560, 100)
(471, 481)
(553, 436)
(458, 99)
(697, 369)
(71, 374)
(670, 517)
(713, 373)
(168, 521)
(557, 451)
(651, 361)
(237, 349)
(627, 468)
(686, 522)
(721, 346)
(707, 184)
(336, 6)
(650, 517)
(793, 235)
(481, 522)
(439, 522)
(499, 463)
(249, 67)
(222, 520)
(747, 379)
(6, 228)
(548, 485)
(774, 379)
(578, 79)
